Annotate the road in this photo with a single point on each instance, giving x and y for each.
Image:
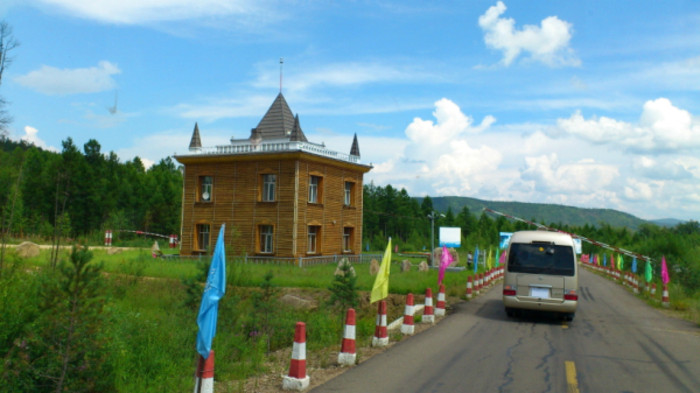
(616, 343)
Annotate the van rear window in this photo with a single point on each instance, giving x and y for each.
(541, 259)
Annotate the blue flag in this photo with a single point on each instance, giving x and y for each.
(215, 289)
(634, 265)
(476, 258)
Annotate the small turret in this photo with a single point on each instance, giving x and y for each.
(355, 149)
(196, 141)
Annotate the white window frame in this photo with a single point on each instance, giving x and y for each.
(269, 187)
(314, 183)
(347, 239)
(205, 187)
(312, 239)
(348, 193)
(267, 233)
(203, 236)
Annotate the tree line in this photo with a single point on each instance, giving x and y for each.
(80, 193)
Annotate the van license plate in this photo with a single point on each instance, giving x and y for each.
(542, 293)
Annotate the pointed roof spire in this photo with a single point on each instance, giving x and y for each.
(196, 141)
(278, 122)
(297, 134)
(355, 149)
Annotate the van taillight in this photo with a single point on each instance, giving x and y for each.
(571, 295)
(509, 290)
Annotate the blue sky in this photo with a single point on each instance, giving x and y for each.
(591, 104)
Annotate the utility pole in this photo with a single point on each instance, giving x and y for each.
(432, 217)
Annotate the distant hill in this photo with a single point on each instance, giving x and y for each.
(543, 213)
(667, 222)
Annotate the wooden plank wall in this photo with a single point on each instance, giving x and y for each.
(236, 201)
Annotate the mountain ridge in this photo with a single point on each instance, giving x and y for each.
(547, 214)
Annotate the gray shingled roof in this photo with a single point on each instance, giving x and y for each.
(355, 149)
(279, 122)
(195, 142)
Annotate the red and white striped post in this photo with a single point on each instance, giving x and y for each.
(173, 241)
(297, 378)
(108, 238)
(381, 338)
(428, 312)
(440, 305)
(204, 376)
(664, 297)
(653, 289)
(635, 284)
(347, 355)
(469, 287)
(407, 326)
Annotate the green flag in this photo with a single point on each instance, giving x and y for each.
(620, 262)
(647, 271)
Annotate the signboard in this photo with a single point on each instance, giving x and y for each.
(450, 236)
(504, 239)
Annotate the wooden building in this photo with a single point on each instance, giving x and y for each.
(279, 194)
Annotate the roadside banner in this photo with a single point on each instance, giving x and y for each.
(664, 271)
(445, 261)
(380, 289)
(648, 271)
(215, 289)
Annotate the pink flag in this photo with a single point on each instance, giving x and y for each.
(502, 258)
(664, 271)
(445, 261)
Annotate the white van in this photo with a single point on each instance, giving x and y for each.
(541, 273)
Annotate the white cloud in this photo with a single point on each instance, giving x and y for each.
(550, 176)
(139, 11)
(31, 136)
(438, 155)
(55, 81)
(547, 43)
(662, 128)
(665, 169)
(638, 190)
(340, 74)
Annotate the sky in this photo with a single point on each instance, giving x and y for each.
(594, 104)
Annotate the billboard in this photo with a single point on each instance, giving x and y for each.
(450, 236)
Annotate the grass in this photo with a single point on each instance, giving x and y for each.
(152, 328)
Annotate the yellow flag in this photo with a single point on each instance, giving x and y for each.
(489, 260)
(380, 289)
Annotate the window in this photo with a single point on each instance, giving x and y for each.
(347, 239)
(269, 182)
(349, 188)
(542, 258)
(315, 189)
(202, 239)
(312, 243)
(205, 188)
(266, 237)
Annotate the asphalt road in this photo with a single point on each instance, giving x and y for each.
(616, 343)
